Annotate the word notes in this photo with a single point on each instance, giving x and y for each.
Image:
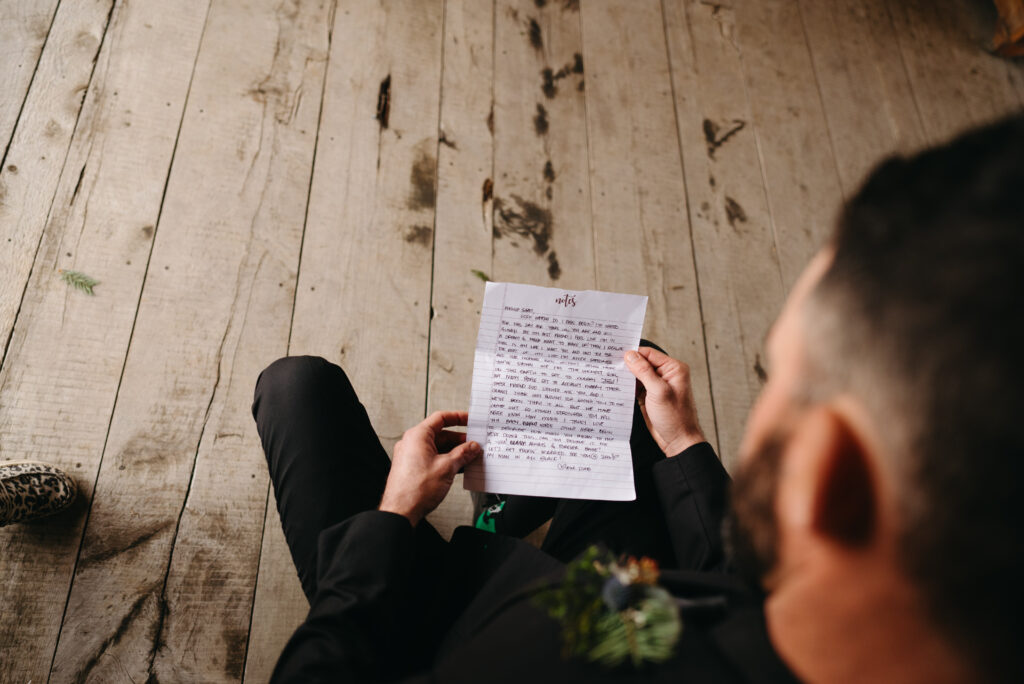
(552, 400)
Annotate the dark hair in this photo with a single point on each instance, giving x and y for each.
(926, 301)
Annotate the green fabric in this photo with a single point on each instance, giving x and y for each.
(488, 517)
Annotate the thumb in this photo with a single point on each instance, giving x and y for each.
(463, 455)
(644, 371)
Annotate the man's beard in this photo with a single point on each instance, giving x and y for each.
(751, 528)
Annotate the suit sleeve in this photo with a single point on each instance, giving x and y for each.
(363, 570)
(693, 489)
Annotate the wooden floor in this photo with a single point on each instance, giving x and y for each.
(249, 179)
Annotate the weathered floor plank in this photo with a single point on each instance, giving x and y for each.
(956, 82)
(363, 297)
(279, 605)
(232, 215)
(538, 208)
(543, 233)
(857, 60)
(212, 575)
(462, 231)
(641, 228)
(35, 156)
(364, 289)
(60, 379)
(800, 174)
(738, 270)
(24, 25)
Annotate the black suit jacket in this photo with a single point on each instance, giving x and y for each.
(394, 603)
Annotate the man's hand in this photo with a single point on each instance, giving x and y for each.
(425, 463)
(667, 400)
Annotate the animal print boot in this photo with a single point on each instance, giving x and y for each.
(30, 490)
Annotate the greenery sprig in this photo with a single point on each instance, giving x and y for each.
(79, 281)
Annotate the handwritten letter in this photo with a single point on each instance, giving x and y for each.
(552, 401)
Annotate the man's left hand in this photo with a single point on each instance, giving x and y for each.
(425, 463)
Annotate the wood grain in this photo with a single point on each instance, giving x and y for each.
(741, 288)
(539, 211)
(543, 233)
(857, 60)
(639, 199)
(60, 379)
(35, 156)
(800, 174)
(24, 25)
(364, 288)
(363, 297)
(164, 583)
(956, 82)
(462, 236)
(212, 575)
(279, 605)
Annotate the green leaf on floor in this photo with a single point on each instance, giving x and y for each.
(481, 275)
(79, 281)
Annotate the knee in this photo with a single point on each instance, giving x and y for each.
(293, 379)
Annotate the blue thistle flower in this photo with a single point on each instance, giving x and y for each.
(616, 595)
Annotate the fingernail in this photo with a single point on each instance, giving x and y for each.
(632, 356)
(474, 447)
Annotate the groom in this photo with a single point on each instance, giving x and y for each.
(874, 524)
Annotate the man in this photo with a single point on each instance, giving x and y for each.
(875, 506)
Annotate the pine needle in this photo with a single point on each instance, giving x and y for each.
(481, 275)
(79, 281)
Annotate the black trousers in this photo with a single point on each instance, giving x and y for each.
(326, 464)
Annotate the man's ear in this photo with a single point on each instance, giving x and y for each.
(846, 497)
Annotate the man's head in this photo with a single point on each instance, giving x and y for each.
(883, 466)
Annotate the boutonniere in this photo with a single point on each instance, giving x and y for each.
(611, 610)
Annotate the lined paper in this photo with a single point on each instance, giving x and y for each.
(552, 400)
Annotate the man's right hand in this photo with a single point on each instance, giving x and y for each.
(667, 401)
(425, 463)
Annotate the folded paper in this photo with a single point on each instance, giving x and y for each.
(552, 400)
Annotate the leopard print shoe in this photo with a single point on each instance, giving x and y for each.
(30, 490)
